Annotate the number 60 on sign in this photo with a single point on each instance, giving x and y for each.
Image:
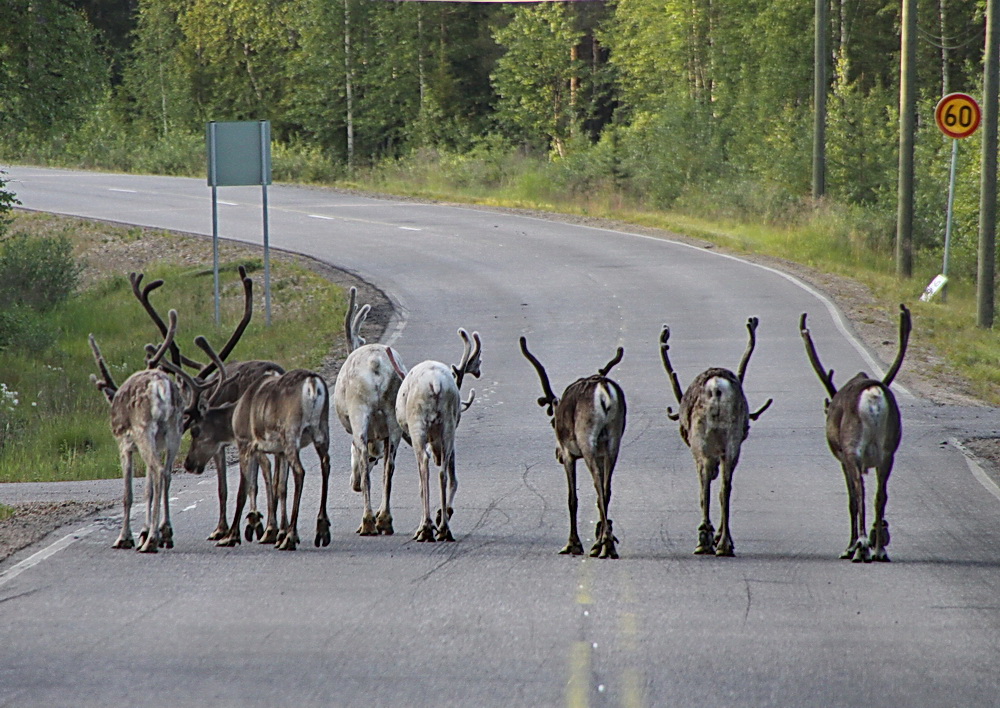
(957, 115)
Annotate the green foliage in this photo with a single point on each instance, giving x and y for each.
(37, 272)
(54, 424)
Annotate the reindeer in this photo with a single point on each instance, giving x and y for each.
(714, 421)
(429, 407)
(280, 414)
(863, 430)
(146, 415)
(364, 398)
(208, 417)
(589, 421)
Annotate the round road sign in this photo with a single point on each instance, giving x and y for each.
(957, 115)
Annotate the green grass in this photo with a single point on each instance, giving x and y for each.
(54, 423)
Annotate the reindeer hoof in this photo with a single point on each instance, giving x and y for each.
(368, 527)
(880, 556)
(437, 517)
(125, 543)
(424, 534)
(151, 545)
(573, 548)
(288, 543)
(724, 552)
(704, 550)
(444, 534)
(166, 537)
(221, 531)
(269, 536)
(322, 533)
(861, 555)
(229, 541)
(608, 550)
(383, 524)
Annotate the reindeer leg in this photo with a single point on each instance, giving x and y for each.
(573, 545)
(361, 466)
(291, 539)
(383, 522)
(149, 537)
(852, 507)
(255, 525)
(233, 537)
(425, 532)
(166, 528)
(707, 471)
(125, 537)
(322, 519)
(863, 552)
(448, 485)
(220, 470)
(724, 540)
(605, 544)
(879, 537)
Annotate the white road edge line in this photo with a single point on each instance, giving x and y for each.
(977, 471)
(125, 191)
(320, 216)
(33, 560)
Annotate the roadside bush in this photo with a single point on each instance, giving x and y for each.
(38, 273)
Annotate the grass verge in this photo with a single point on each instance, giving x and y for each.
(54, 423)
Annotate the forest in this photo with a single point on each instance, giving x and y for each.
(703, 106)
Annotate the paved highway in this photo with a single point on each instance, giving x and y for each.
(499, 618)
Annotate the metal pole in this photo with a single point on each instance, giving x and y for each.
(907, 124)
(212, 177)
(819, 101)
(947, 223)
(265, 174)
(988, 177)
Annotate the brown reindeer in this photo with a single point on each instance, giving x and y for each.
(589, 421)
(863, 430)
(208, 417)
(714, 421)
(146, 413)
(279, 415)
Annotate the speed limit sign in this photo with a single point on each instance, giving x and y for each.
(957, 115)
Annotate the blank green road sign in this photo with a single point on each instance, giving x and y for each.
(239, 153)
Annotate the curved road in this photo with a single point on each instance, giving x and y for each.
(499, 618)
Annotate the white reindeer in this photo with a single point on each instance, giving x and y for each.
(714, 421)
(364, 398)
(863, 430)
(146, 413)
(589, 421)
(428, 409)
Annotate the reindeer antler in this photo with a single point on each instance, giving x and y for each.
(549, 398)
(905, 326)
(671, 374)
(353, 320)
(470, 357)
(142, 295)
(234, 338)
(613, 363)
(752, 323)
(825, 376)
(153, 360)
(106, 385)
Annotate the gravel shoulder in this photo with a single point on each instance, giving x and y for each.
(41, 509)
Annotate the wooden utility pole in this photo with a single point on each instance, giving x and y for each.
(907, 121)
(988, 177)
(819, 102)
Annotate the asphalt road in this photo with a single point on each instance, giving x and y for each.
(499, 618)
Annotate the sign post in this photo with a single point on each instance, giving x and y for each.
(957, 116)
(239, 154)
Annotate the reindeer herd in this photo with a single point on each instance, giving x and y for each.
(266, 411)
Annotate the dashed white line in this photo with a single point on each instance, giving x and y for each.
(125, 191)
(320, 216)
